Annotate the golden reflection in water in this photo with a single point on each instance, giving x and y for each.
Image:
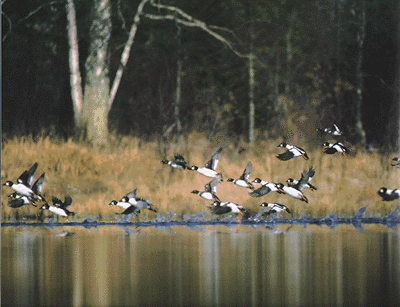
(206, 266)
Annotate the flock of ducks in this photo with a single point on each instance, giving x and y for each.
(26, 193)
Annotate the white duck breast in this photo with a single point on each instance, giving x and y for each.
(58, 211)
(122, 204)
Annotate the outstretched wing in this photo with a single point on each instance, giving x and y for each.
(131, 194)
(67, 202)
(212, 185)
(37, 187)
(213, 162)
(246, 172)
(26, 177)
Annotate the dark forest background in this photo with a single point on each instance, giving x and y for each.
(305, 68)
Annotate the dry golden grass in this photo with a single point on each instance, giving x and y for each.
(94, 177)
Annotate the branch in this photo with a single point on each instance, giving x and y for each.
(125, 53)
(30, 14)
(183, 18)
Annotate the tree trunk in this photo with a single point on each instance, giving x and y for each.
(97, 85)
(178, 94)
(360, 133)
(251, 87)
(75, 78)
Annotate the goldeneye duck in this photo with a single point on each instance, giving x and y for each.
(266, 188)
(130, 199)
(210, 190)
(209, 169)
(389, 194)
(60, 208)
(333, 130)
(304, 182)
(331, 148)
(291, 152)
(178, 162)
(227, 207)
(291, 191)
(275, 208)
(243, 180)
(18, 200)
(396, 162)
(33, 194)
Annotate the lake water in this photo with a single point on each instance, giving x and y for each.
(288, 265)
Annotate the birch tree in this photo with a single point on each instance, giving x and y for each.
(93, 101)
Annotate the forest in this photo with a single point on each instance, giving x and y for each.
(249, 70)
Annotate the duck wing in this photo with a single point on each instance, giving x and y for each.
(213, 162)
(246, 173)
(263, 190)
(287, 155)
(131, 194)
(26, 178)
(37, 187)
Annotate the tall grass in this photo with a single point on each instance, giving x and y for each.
(93, 177)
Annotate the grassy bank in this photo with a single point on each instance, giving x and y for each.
(94, 177)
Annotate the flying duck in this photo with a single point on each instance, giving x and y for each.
(227, 207)
(266, 188)
(389, 194)
(333, 130)
(331, 148)
(243, 180)
(177, 162)
(17, 200)
(275, 208)
(291, 152)
(396, 162)
(291, 191)
(209, 169)
(210, 189)
(59, 207)
(304, 181)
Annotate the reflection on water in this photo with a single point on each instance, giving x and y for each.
(208, 266)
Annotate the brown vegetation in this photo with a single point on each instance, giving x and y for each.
(94, 177)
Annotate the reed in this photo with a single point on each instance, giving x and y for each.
(94, 177)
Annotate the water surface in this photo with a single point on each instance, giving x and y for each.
(288, 265)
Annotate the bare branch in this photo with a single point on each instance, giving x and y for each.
(199, 24)
(125, 53)
(30, 14)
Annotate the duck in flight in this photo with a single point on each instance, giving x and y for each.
(291, 152)
(209, 169)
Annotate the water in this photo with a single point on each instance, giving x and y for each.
(234, 265)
